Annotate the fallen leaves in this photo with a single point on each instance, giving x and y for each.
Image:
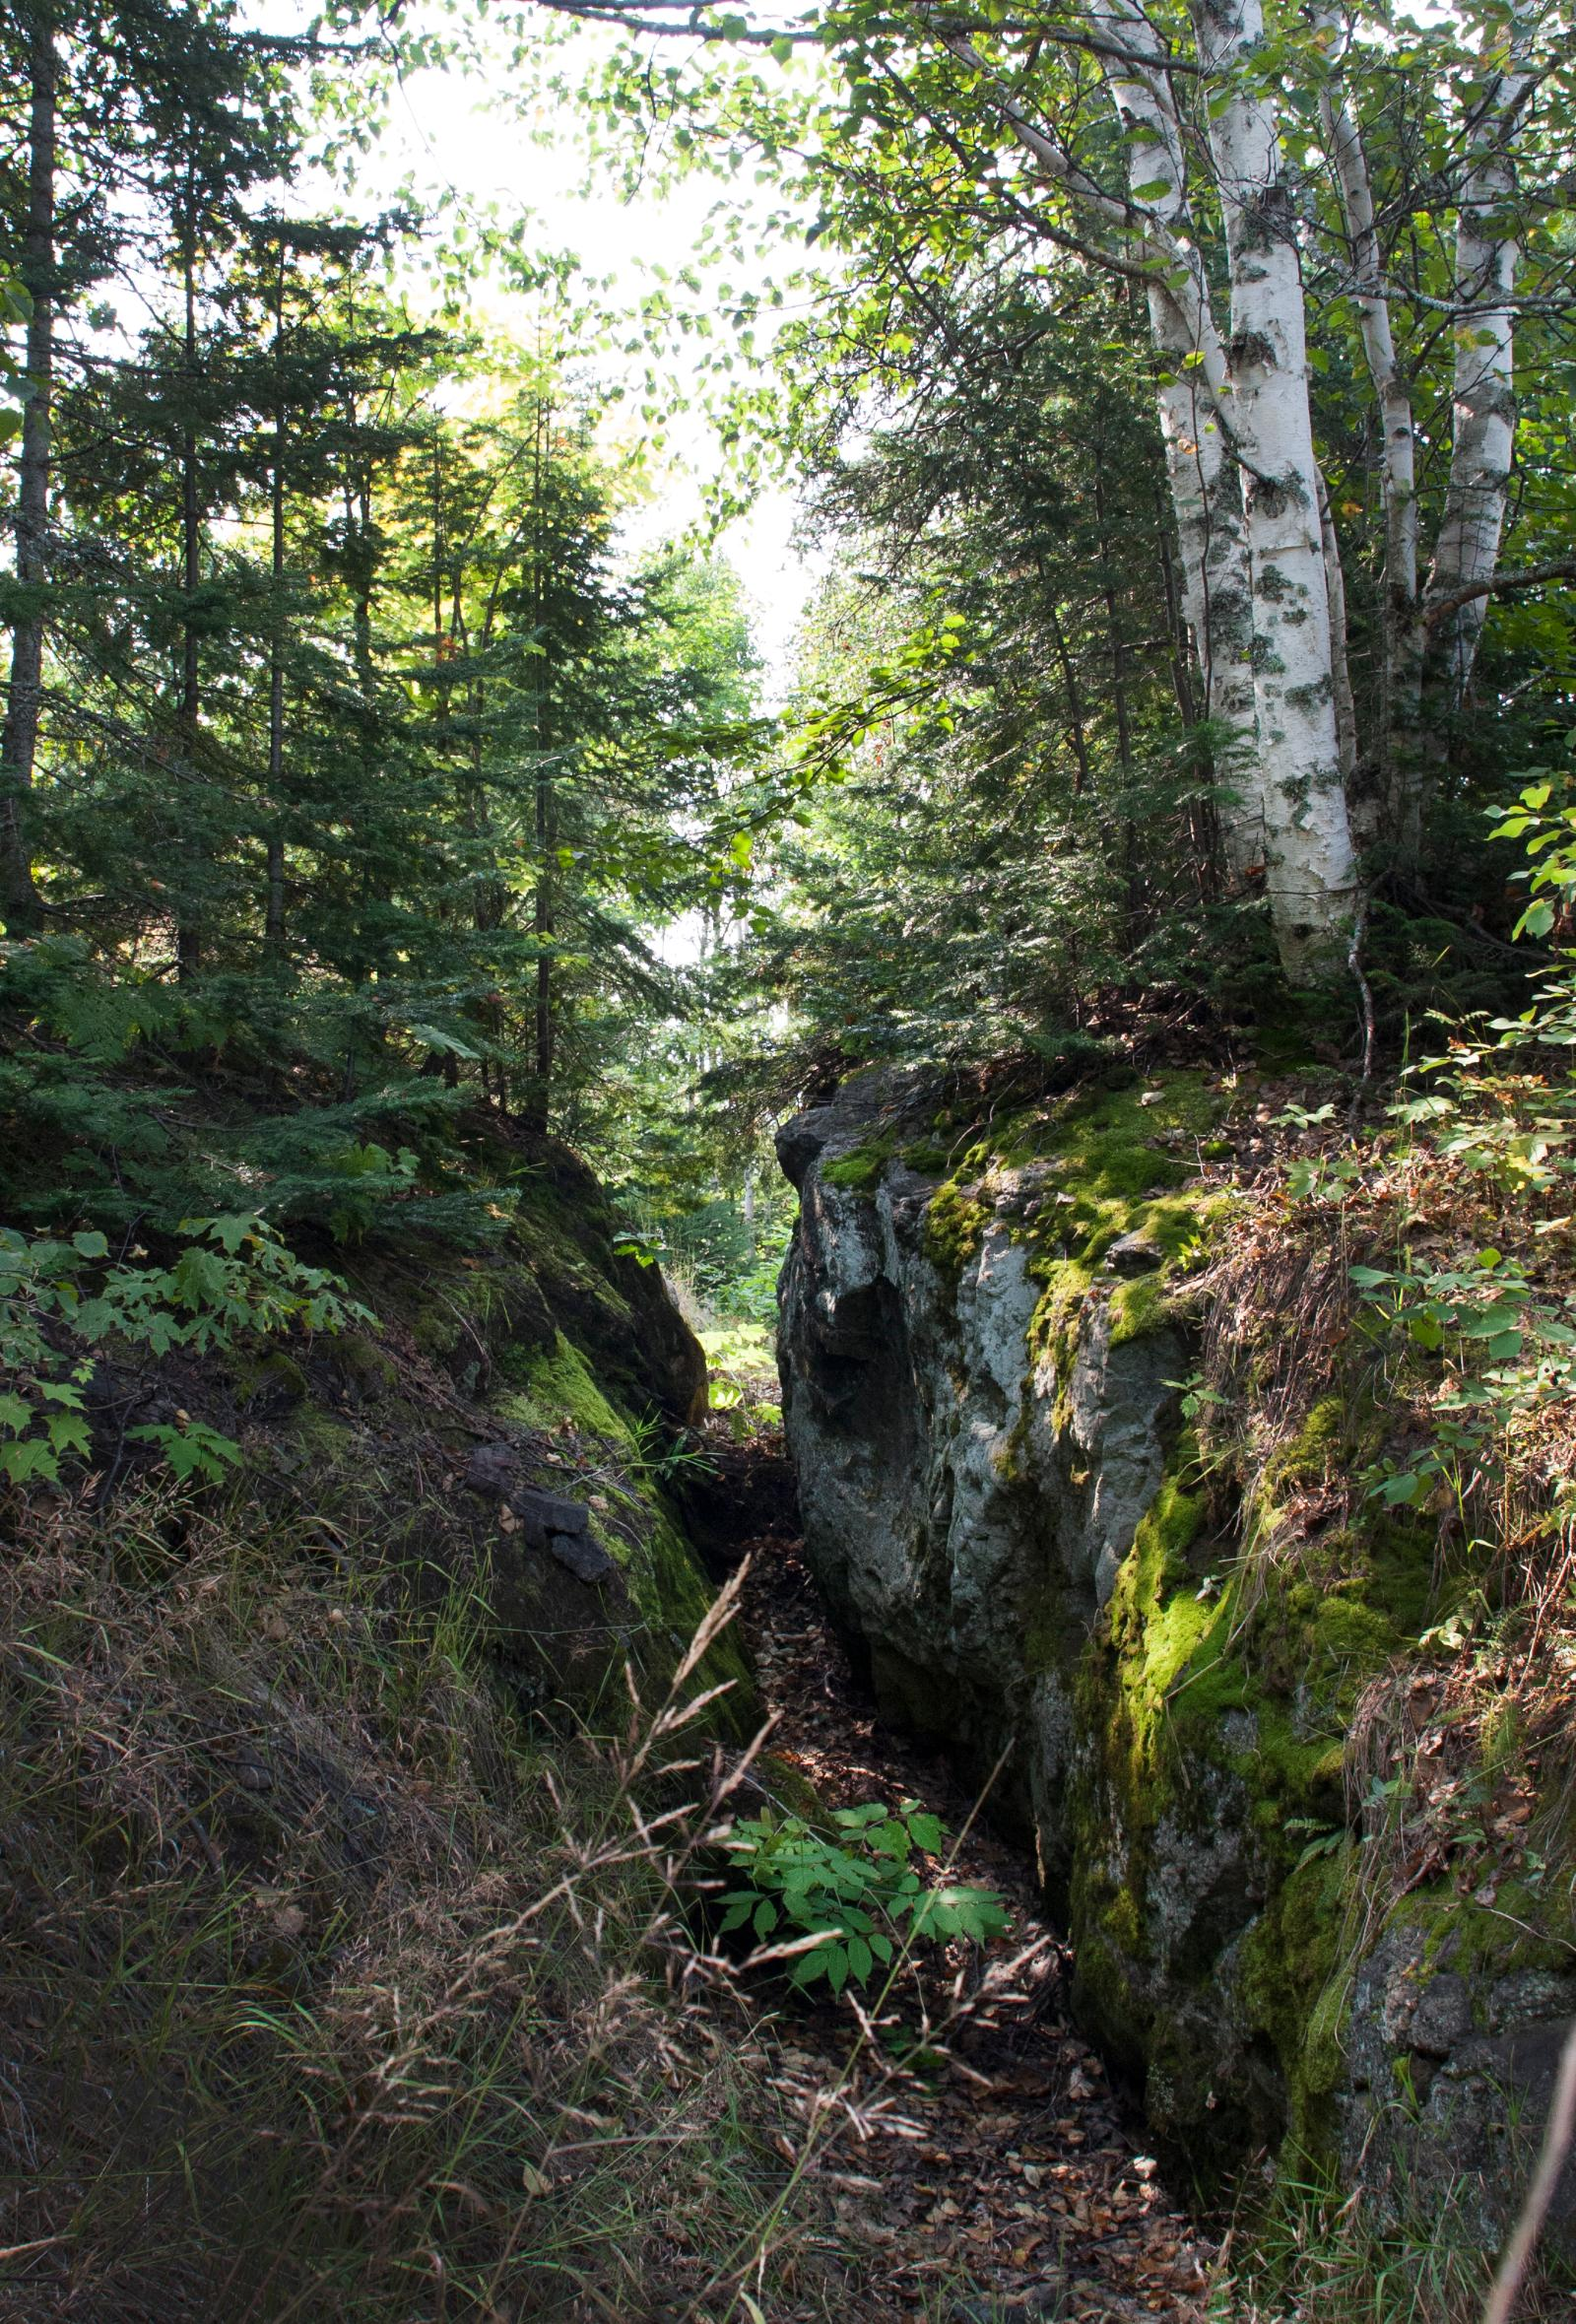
(1009, 2167)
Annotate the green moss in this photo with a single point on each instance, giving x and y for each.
(658, 1563)
(559, 1388)
(1157, 1622)
(1473, 1940)
(321, 1436)
(860, 1171)
(1306, 1458)
(273, 1375)
(361, 1363)
(955, 1226)
(1142, 1305)
(1296, 1987)
(1231, 1712)
(926, 1157)
(1347, 1633)
(789, 1789)
(1110, 1152)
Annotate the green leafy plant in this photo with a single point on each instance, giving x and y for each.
(1502, 1352)
(1323, 1177)
(1198, 1398)
(60, 1298)
(646, 1250)
(658, 1457)
(192, 1450)
(1320, 1838)
(860, 1897)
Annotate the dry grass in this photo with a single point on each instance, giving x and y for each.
(333, 1990)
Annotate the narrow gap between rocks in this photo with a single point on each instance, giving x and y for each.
(1008, 2175)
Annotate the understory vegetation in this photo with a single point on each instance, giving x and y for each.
(420, 912)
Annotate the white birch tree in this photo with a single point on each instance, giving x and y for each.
(1246, 170)
(1213, 150)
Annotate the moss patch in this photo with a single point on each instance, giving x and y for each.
(559, 1391)
(860, 1171)
(955, 1226)
(637, 1526)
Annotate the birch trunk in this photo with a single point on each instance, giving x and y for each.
(1401, 641)
(1206, 492)
(1487, 248)
(1310, 872)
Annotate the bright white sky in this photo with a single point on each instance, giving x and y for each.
(449, 130)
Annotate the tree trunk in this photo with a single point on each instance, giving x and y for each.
(274, 923)
(1310, 873)
(1476, 497)
(19, 739)
(1231, 413)
(543, 925)
(188, 931)
(1378, 816)
(1074, 705)
(1206, 495)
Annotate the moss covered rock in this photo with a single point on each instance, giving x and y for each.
(981, 1362)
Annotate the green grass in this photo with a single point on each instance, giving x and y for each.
(1306, 2254)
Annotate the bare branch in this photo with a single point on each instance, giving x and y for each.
(1563, 570)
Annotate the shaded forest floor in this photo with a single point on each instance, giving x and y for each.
(1005, 2176)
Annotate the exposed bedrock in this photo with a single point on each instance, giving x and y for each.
(980, 1346)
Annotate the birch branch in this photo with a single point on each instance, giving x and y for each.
(1495, 584)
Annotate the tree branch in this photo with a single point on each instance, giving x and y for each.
(1564, 570)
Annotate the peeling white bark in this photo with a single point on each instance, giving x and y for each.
(1487, 246)
(1401, 655)
(1263, 585)
(1310, 872)
(1205, 490)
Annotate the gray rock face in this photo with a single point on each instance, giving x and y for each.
(971, 1484)
(1448, 2081)
(965, 1510)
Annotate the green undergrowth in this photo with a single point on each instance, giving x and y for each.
(1304, 2254)
(349, 1971)
(745, 1393)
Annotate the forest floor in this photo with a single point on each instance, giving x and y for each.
(1008, 2177)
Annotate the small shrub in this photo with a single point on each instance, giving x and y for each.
(59, 1300)
(860, 1899)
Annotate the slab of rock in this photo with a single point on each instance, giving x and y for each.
(493, 1471)
(544, 1520)
(1134, 1254)
(545, 1516)
(584, 1558)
